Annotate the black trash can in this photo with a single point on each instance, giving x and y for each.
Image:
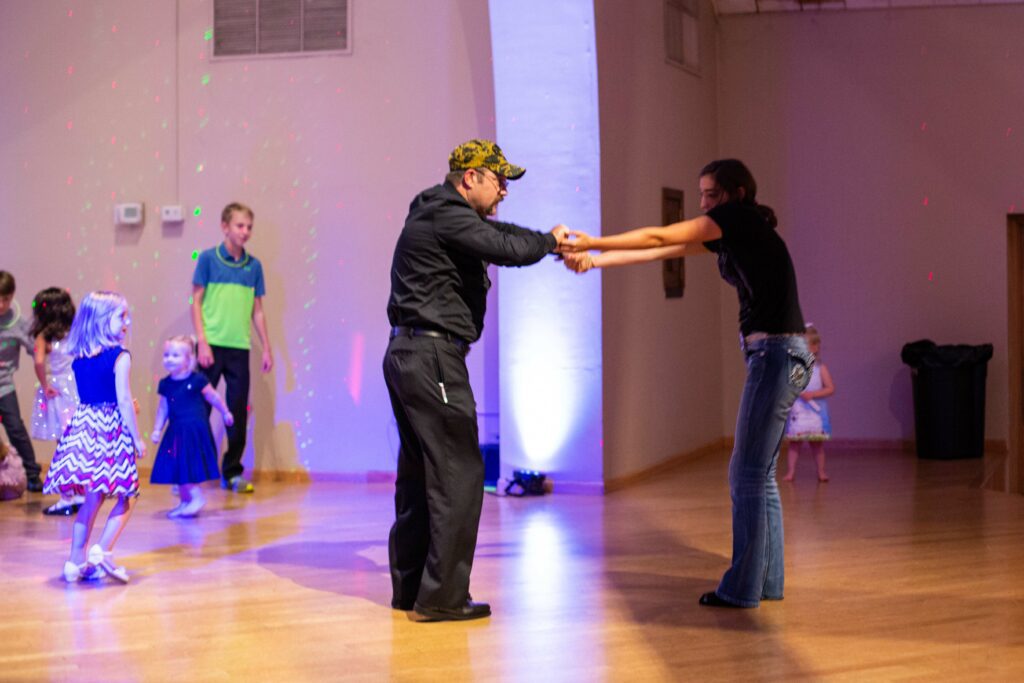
(949, 398)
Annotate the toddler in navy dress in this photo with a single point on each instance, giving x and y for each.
(187, 455)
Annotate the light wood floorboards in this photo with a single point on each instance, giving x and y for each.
(897, 570)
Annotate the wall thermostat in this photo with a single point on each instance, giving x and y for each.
(128, 214)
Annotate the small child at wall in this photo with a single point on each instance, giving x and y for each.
(809, 419)
(187, 455)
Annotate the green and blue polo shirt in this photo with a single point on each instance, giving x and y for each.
(231, 288)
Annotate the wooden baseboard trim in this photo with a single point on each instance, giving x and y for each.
(992, 446)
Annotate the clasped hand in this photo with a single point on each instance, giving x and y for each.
(573, 247)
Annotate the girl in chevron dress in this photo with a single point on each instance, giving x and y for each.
(96, 455)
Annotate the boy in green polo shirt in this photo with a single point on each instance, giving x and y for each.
(227, 293)
(15, 336)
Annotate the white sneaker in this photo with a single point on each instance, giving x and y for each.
(192, 507)
(104, 560)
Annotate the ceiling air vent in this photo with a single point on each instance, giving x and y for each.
(276, 27)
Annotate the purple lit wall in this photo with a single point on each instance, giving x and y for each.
(545, 80)
(328, 150)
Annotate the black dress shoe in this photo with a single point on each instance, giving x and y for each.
(471, 610)
(62, 508)
(35, 485)
(404, 606)
(711, 599)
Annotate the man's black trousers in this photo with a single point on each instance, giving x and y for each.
(439, 489)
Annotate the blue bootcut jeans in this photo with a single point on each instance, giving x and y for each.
(778, 369)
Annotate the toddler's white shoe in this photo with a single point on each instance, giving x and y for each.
(192, 507)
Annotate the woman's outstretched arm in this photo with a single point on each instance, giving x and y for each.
(693, 232)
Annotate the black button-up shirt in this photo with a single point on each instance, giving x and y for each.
(439, 270)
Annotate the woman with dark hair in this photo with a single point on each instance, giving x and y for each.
(753, 259)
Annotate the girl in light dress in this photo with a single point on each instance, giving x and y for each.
(57, 395)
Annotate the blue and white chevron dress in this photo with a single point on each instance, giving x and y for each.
(96, 454)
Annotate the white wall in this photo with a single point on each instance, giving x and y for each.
(849, 121)
(106, 102)
(890, 144)
(662, 357)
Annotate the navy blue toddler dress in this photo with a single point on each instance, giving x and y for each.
(187, 454)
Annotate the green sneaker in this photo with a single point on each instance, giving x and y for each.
(238, 485)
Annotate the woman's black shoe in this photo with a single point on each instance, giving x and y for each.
(711, 599)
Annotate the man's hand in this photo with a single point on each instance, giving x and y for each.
(561, 233)
(268, 361)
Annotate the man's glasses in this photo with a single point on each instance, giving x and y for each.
(500, 183)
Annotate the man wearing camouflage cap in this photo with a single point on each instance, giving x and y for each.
(439, 289)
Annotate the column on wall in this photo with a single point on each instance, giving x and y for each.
(546, 106)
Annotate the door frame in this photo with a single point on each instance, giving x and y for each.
(1015, 349)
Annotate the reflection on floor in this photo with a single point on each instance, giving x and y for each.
(896, 569)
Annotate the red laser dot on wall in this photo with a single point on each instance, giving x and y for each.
(70, 13)
(113, 85)
(71, 180)
(71, 70)
(1009, 132)
(925, 202)
(113, 139)
(931, 276)
(924, 126)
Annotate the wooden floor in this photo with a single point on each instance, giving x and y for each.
(897, 570)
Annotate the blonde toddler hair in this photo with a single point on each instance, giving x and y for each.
(189, 342)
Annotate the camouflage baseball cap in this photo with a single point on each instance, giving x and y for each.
(483, 154)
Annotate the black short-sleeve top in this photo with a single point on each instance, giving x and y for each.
(754, 259)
